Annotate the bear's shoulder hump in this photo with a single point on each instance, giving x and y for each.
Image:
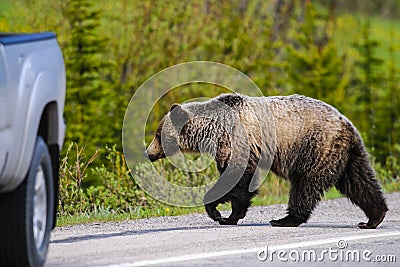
(232, 100)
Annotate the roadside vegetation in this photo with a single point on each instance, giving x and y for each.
(346, 53)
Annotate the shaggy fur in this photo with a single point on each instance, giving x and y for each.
(315, 148)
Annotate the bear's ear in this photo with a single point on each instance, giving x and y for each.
(179, 117)
(174, 106)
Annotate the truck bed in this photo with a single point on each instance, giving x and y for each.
(17, 38)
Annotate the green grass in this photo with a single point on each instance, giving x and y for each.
(105, 215)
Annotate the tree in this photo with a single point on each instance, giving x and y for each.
(387, 109)
(367, 81)
(88, 101)
(313, 64)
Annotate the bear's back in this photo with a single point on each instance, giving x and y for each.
(298, 115)
(299, 118)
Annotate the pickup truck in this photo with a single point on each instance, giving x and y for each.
(32, 94)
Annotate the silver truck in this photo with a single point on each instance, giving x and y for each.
(32, 94)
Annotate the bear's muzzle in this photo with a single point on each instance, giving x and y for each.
(153, 157)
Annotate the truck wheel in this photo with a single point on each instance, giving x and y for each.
(26, 214)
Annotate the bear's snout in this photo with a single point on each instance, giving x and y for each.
(154, 151)
(152, 157)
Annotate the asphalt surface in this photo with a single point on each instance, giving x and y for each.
(331, 236)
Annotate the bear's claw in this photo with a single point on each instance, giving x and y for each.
(373, 222)
(288, 221)
(363, 225)
(227, 221)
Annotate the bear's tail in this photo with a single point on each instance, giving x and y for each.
(360, 185)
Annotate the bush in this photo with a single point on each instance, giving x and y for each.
(389, 172)
(117, 193)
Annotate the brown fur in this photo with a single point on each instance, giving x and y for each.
(316, 147)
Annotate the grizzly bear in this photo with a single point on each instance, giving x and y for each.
(303, 140)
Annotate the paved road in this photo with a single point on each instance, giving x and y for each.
(331, 236)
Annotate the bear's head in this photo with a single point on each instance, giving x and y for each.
(216, 127)
(166, 140)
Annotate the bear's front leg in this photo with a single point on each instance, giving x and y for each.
(211, 204)
(214, 214)
(212, 211)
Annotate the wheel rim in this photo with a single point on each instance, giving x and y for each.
(40, 208)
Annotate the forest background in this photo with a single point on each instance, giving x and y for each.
(346, 53)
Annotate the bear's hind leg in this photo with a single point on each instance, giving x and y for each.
(240, 204)
(288, 221)
(362, 188)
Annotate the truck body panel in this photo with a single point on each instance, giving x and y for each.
(32, 76)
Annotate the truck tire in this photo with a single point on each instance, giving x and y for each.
(26, 214)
